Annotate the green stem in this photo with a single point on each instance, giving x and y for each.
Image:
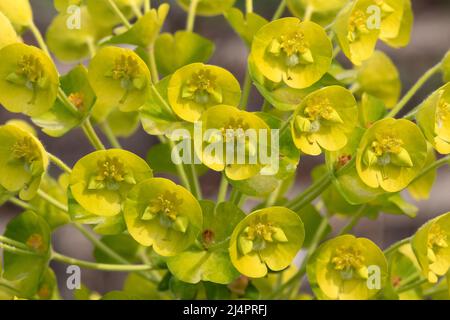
(54, 202)
(437, 164)
(147, 5)
(280, 10)
(272, 199)
(308, 13)
(180, 168)
(89, 131)
(286, 125)
(311, 193)
(191, 15)
(266, 106)
(21, 204)
(353, 221)
(110, 135)
(38, 36)
(67, 103)
(14, 243)
(223, 188)
(246, 90)
(408, 96)
(235, 196)
(411, 286)
(153, 65)
(396, 245)
(196, 184)
(119, 13)
(15, 250)
(136, 10)
(100, 266)
(64, 167)
(249, 6)
(161, 99)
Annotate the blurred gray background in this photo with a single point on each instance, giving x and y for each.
(430, 41)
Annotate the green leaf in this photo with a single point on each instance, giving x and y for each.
(247, 26)
(59, 120)
(173, 51)
(209, 259)
(312, 219)
(117, 295)
(26, 271)
(182, 290)
(122, 244)
(216, 291)
(123, 124)
(144, 32)
(421, 188)
(48, 287)
(142, 289)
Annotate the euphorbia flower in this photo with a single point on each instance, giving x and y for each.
(339, 269)
(356, 37)
(266, 239)
(28, 80)
(431, 244)
(297, 53)
(120, 78)
(23, 161)
(208, 7)
(225, 125)
(196, 87)
(100, 181)
(161, 214)
(324, 119)
(391, 154)
(434, 119)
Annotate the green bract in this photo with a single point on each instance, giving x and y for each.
(161, 214)
(182, 48)
(266, 239)
(297, 53)
(434, 119)
(356, 37)
(321, 11)
(324, 119)
(18, 12)
(224, 124)
(431, 244)
(119, 78)
(144, 32)
(100, 181)
(445, 66)
(102, 8)
(69, 41)
(342, 268)
(391, 154)
(246, 27)
(379, 77)
(8, 35)
(208, 7)
(196, 87)
(23, 161)
(28, 79)
(210, 261)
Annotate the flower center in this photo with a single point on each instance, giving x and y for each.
(77, 99)
(293, 47)
(235, 128)
(166, 207)
(25, 149)
(31, 74)
(386, 145)
(202, 88)
(316, 110)
(111, 175)
(357, 25)
(256, 236)
(437, 238)
(126, 70)
(348, 260)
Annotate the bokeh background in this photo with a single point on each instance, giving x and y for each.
(430, 41)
